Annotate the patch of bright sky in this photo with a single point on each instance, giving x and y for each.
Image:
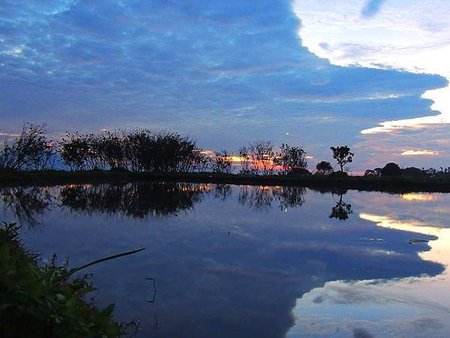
(409, 35)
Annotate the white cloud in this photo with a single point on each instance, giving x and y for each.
(408, 35)
(419, 153)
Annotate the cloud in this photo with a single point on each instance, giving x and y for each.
(420, 153)
(193, 67)
(371, 8)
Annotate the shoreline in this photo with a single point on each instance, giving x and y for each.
(321, 183)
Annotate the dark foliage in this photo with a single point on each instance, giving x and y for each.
(30, 151)
(137, 199)
(258, 158)
(138, 151)
(291, 159)
(45, 301)
(26, 202)
(324, 168)
(391, 169)
(341, 210)
(373, 172)
(342, 155)
(262, 197)
(221, 162)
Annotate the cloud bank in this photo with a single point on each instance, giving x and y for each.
(223, 72)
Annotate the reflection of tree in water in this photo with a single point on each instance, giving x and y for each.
(141, 199)
(256, 197)
(341, 210)
(290, 196)
(222, 191)
(137, 199)
(262, 197)
(26, 202)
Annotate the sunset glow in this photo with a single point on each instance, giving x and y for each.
(309, 73)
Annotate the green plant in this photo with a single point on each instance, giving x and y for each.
(45, 301)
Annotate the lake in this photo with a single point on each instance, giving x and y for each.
(250, 261)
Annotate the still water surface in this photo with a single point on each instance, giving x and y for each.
(248, 261)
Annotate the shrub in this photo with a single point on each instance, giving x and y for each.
(31, 150)
(45, 301)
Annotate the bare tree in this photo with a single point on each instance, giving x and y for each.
(31, 150)
(221, 162)
(258, 158)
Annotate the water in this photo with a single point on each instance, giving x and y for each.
(245, 261)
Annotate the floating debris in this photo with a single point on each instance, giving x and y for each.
(379, 240)
(414, 241)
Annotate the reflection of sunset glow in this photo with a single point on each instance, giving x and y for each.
(419, 197)
(199, 187)
(85, 186)
(440, 248)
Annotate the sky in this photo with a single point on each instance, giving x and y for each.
(368, 74)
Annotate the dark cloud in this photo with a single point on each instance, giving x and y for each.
(193, 66)
(371, 8)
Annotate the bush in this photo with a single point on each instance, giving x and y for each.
(43, 301)
(391, 169)
(338, 174)
(324, 168)
(29, 151)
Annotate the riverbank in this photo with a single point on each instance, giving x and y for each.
(316, 182)
(45, 300)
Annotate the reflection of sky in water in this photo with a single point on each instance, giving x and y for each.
(232, 263)
(406, 307)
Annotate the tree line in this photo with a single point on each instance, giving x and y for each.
(144, 150)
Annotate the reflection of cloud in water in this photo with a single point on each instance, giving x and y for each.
(407, 307)
(222, 269)
(440, 248)
(382, 308)
(419, 197)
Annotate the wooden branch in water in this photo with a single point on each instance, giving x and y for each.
(72, 271)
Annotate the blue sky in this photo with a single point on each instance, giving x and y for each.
(223, 72)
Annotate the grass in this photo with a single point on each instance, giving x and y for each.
(45, 301)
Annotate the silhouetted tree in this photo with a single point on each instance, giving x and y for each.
(75, 150)
(31, 150)
(110, 149)
(292, 159)
(221, 162)
(324, 168)
(342, 155)
(416, 172)
(373, 172)
(258, 158)
(391, 169)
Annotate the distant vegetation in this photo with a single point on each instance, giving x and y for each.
(161, 152)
